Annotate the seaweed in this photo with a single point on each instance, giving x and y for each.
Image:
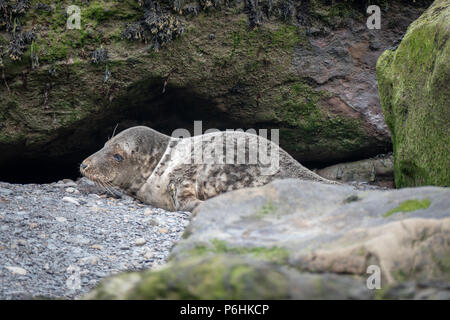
(19, 43)
(157, 26)
(99, 56)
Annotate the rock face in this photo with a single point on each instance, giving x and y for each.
(296, 239)
(414, 89)
(305, 67)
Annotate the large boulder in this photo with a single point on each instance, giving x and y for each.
(305, 67)
(414, 89)
(297, 239)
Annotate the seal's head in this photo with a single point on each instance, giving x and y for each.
(126, 160)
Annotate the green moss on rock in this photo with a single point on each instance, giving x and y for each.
(409, 205)
(266, 209)
(413, 84)
(218, 277)
(273, 254)
(299, 112)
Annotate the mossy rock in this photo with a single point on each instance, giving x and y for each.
(413, 84)
(219, 277)
(228, 277)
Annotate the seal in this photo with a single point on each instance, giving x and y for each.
(177, 174)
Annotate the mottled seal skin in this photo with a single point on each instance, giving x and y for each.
(160, 170)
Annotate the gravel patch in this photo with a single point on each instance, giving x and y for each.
(59, 240)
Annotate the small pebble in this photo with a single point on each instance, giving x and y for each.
(148, 254)
(69, 183)
(163, 230)
(97, 247)
(71, 190)
(140, 241)
(5, 192)
(152, 222)
(90, 260)
(71, 200)
(17, 270)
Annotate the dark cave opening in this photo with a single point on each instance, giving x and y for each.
(145, 105)
(60, 158)
(38, 171)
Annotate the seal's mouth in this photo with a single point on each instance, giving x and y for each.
(107, 186)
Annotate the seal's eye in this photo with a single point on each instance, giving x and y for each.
(118, 157)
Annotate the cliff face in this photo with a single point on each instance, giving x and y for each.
(415, 96)
(305, 67)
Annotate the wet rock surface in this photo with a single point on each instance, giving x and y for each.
(58, 240)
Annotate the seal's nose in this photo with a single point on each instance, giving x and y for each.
(83, 166)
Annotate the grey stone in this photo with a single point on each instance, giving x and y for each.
(4, 191)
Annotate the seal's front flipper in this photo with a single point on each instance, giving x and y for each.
(183, 197)
(173, 192)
